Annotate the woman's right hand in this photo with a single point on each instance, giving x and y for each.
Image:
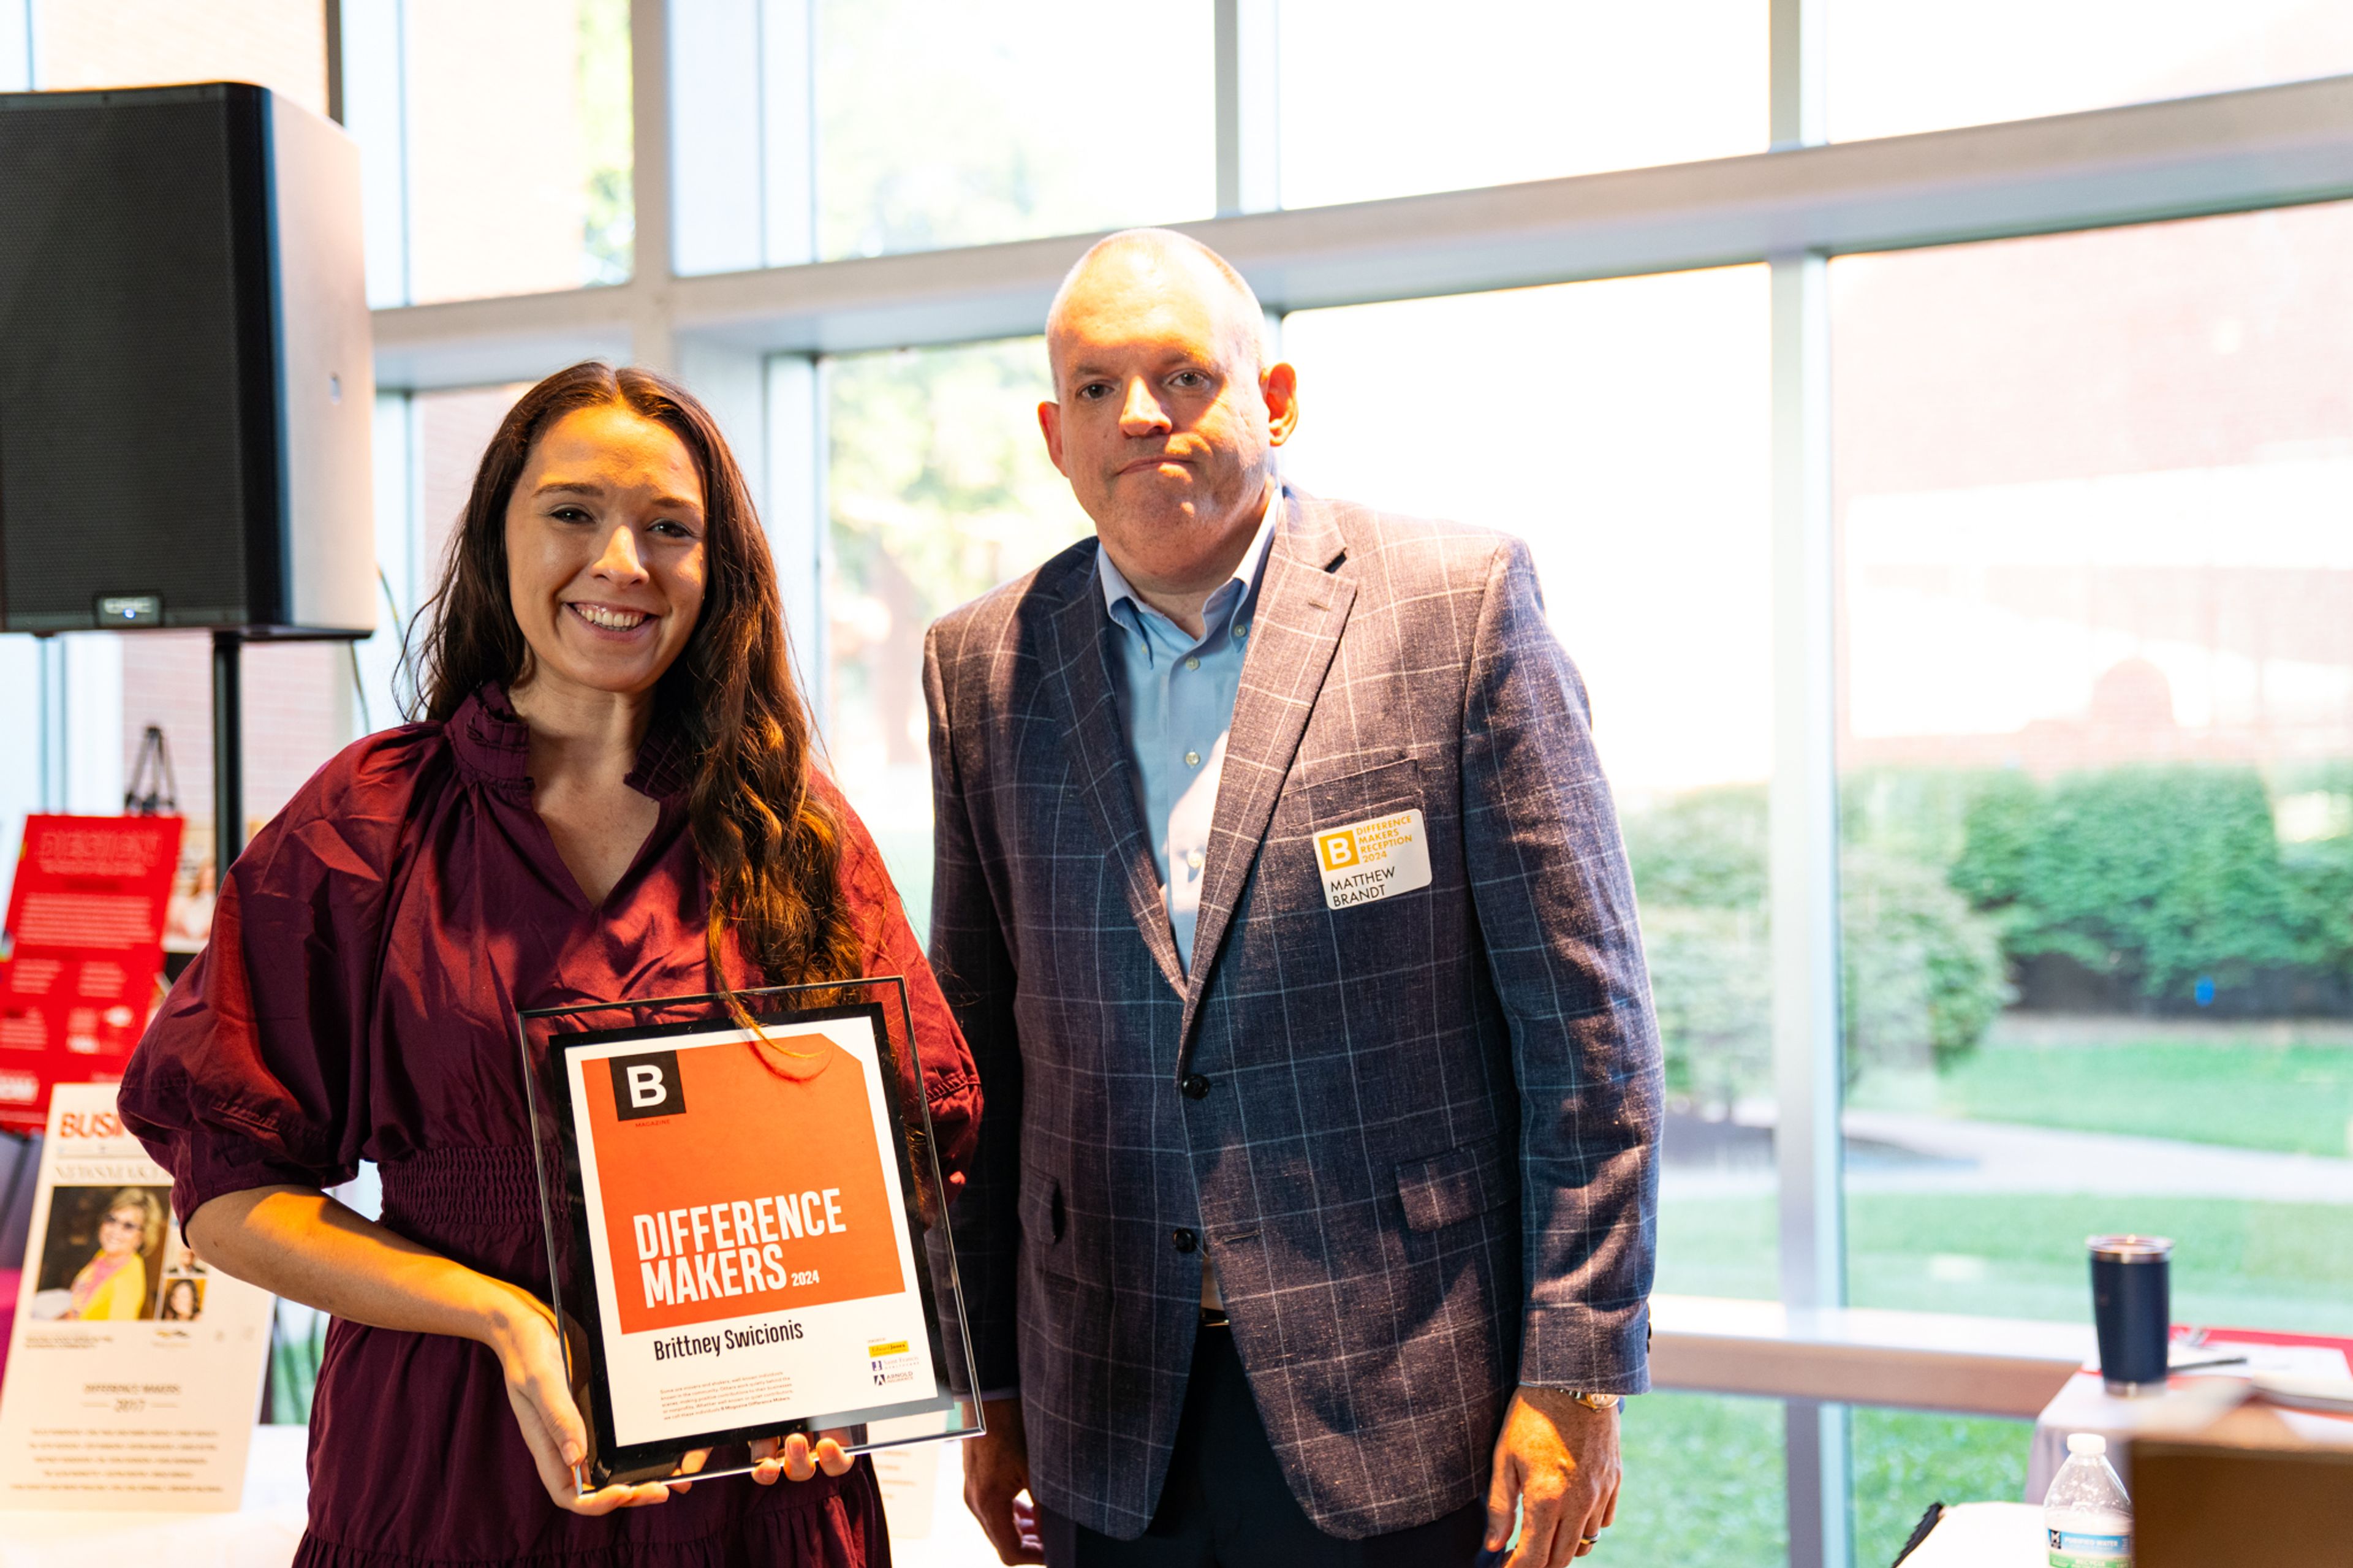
(523, 1335)
(299, 1243)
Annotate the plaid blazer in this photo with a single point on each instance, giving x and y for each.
(1419, 1138)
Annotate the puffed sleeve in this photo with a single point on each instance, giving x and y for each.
(252, 1072)
(951, 1085)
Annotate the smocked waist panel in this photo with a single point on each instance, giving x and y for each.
(440, 1191)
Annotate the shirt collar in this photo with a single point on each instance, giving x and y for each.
(1117, 589)
(493, 744)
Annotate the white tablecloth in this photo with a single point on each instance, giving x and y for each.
(1984, 1535)
(922, 1487)
(2191, 1404)
(262, 1533)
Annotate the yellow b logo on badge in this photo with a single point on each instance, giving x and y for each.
(1338, 849)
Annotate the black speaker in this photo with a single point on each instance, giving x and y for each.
(185, 385)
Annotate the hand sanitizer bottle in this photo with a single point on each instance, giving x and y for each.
(2087, 1514)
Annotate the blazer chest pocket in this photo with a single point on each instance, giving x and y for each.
(1341, 799)
(1447, 1189)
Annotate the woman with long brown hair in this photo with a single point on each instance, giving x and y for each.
(611, 794)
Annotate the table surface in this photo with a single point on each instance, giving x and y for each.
(2191, 1401)
(262, 1533)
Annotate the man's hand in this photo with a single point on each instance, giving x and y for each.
(1557, 1460)
(996, 1479)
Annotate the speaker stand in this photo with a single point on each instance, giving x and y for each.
(228, 754)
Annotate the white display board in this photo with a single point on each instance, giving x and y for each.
(133, 1367)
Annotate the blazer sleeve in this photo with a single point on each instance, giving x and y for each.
(976, 973)
(1555, 909)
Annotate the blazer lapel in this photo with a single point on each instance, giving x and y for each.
(1100, 766)
(1302, 606)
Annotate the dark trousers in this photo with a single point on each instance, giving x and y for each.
(1226, 1506)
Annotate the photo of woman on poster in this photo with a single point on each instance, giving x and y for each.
(113, 1284)
(184, 1299)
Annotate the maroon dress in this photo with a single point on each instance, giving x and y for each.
(357, 1002)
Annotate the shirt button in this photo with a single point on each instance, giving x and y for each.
(1192, 758)
(1185, 1240)
(1241, 632)
(1192, 664)
(1193, 858)
(1195, 1086)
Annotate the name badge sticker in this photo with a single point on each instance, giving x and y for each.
(1376, 859)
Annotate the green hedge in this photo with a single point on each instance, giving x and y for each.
(1923, 971)
(2153, 878)
(2158, 877)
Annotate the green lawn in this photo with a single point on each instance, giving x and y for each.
(1703, 1487)
(1906, 1459)
(2009, 1255)
(1717, 1246)
(2296, 1099)
(1703, 1484)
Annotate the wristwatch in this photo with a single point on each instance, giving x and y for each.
(1598, 1401)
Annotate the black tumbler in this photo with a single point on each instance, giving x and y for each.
(2132, 1310)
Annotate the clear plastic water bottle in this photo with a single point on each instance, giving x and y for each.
(2085, 1513)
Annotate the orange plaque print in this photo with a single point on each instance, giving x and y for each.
(739, 1178)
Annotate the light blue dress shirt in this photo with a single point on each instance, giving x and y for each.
(1176, 702)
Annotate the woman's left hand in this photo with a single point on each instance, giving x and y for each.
(795, 1458)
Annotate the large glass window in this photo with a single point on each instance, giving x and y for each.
(827, 129)
(1899, 66)
(941, 125)
(495, 144)
(452, 428)
(939, 488)
(278, 43)
(2096, 749)
(1622, 428)
(1389, 97)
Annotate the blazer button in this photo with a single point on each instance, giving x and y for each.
(1186, 1240)
(1195, 1086)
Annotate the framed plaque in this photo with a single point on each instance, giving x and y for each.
(747, 1230)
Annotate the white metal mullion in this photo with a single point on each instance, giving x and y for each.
(652, 330)
(1804, 874)
(54, 717)
(796, 517)
(788, 151)
(1249, 128)
(1807, 1045)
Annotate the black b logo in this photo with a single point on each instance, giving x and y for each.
(647, 1086)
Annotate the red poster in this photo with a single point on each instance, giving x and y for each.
(83, 946)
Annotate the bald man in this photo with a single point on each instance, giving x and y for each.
(1283, 901)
